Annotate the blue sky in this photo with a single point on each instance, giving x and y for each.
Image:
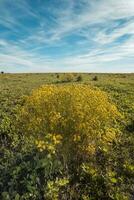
(67, 35)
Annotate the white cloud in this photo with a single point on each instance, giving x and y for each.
(92, 22)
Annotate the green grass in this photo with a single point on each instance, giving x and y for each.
(19, 159)
(120, 88)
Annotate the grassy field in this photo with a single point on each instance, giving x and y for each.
(22, 165)
(120, 87)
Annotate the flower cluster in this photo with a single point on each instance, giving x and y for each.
(82, 115)
(49, 143)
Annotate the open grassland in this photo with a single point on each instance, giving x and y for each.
(120, 87)
(67, 136)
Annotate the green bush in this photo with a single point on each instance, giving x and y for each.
(58, 76)
(95, 78)
(79, 78)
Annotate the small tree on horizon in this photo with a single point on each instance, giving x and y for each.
(79, 78)
(95, 78)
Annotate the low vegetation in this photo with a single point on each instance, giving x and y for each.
(66, 140)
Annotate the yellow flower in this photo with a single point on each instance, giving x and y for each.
(77, 138)
(56, 113)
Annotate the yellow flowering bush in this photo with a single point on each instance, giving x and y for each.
(67, 146)
(82, 116)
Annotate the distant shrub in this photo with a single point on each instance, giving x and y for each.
(95, 78)
(2, 72)
(79, 78)
(57, 75)
(68, 77)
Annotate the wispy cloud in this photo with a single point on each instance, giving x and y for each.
(71, 35)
